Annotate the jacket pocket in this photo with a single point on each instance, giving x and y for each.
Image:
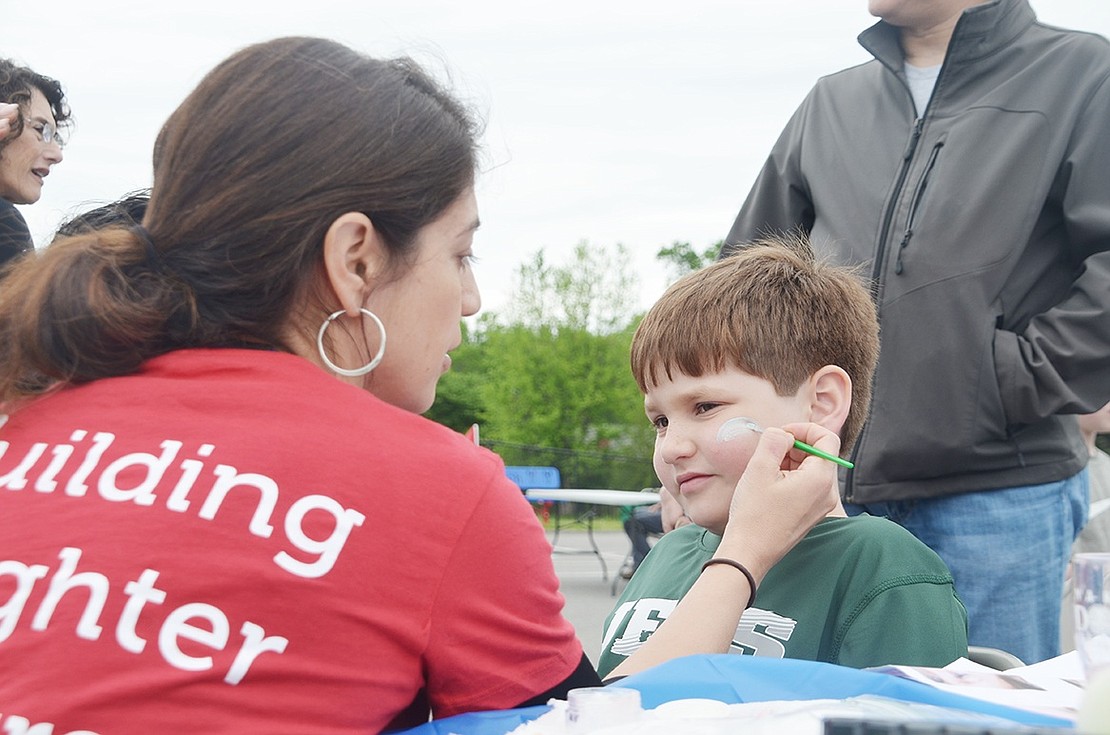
(937, 410)
(915, 204)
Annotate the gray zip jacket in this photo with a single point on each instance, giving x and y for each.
(984, 226)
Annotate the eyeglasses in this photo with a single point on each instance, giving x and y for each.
(47, 132)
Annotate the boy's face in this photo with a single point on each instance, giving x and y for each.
(687, 412)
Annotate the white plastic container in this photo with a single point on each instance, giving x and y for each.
(593, 708)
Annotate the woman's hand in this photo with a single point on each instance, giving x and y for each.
(9, 113)
(782, 494)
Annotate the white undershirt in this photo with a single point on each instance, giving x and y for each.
(922, 79)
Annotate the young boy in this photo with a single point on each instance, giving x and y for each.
(770, 335)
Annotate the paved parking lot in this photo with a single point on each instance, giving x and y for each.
(588, 596)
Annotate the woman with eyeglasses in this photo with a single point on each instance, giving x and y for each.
(220, 508)
(32, 108)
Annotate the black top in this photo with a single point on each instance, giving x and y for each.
(15, 238)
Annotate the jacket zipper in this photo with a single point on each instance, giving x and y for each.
(880, 251)
(888, 216)
(915, 205)
(877, 266)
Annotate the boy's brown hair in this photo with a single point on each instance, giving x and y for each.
(772, 310)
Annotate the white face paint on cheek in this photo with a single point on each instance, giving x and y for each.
(736, 442)
(738, 427)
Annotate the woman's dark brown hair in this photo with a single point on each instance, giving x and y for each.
(16, 84)
(250, 171)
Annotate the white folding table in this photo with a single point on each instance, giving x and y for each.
(590, 499)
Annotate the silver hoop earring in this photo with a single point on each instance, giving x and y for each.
(359, 370)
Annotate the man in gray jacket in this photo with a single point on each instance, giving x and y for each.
(965, 170)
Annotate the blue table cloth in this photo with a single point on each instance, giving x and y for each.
(737, 679)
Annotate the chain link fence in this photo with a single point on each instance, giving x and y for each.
(582, 469)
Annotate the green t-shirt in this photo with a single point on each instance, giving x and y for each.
(858, 591)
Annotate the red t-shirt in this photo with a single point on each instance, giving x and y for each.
(235, 541)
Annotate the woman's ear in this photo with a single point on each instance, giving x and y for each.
(831, 397)
(353, 255)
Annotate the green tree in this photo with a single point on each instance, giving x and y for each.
(683, 259)
(595, 291)
(458, 401)
(553, 373)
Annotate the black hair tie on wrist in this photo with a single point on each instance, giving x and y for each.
(741, 567)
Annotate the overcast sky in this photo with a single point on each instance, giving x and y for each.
(610, 121)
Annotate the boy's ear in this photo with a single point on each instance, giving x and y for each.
(353, 255)
(831, 397)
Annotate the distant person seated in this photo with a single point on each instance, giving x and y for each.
(771, 335)
(648, 521)
(640, 526)
(1095, 536)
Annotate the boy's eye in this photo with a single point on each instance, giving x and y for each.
(704, 407)
(659, 422)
